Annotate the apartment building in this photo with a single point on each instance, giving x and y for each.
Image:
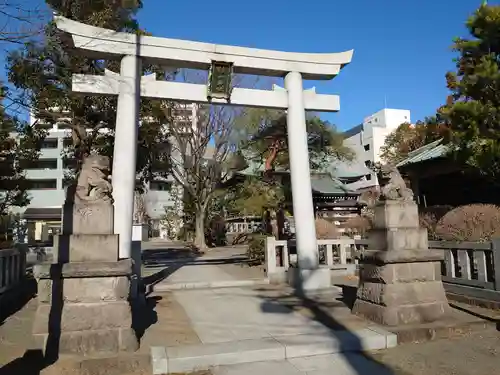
(367, 139)
(48, 183)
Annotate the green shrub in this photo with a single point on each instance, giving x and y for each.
(475, 222)
(256, 249)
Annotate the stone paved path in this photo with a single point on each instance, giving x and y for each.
(231, 314)
(165, 266)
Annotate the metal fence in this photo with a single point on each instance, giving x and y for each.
(12, 268)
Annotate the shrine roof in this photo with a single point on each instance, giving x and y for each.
(324, 183)
(433, 150)
(349, 169)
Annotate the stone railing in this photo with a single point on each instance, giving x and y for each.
(471, 268)
(338, 254)
(12, 268)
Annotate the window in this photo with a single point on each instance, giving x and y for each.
(41, 164)
(367, 147)
(49, 143)
(160, 185)
(68, 142)
(368, 177)
(42, 184)
(368, 163)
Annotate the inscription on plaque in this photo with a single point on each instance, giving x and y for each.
(219, 80)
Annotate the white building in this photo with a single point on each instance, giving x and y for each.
(367, 139)
(47, 192)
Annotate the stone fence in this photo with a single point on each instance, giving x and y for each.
(340, 255)
(471, 268)
(12, 268)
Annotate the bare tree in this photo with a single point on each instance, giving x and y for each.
(140, 208)
(204, 151)
(21, 20)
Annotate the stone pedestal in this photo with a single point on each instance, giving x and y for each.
(305, 281)
(400, 278)
(84, 295)
(83, 308)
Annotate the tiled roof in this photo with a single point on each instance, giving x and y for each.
(342, 169)
(324, 183)
(430, 151)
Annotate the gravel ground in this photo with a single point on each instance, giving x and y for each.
(475, 354)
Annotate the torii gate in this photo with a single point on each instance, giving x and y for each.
(221, 61)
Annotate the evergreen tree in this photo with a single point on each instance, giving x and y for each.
(473, 108)
(266, 134)
(19, 147)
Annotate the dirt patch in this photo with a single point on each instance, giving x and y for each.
(474, 354)
(15, 333)
(172, 327)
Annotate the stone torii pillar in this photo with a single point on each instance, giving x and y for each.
(221, 61)
(303, 208)
(125, 151)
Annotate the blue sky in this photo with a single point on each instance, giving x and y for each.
(401, 48)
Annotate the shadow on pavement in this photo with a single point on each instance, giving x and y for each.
(31, 363)
(14, 300)
(145, 316)
(360, 362)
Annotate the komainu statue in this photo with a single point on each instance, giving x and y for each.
(393, 186)
(93, 185)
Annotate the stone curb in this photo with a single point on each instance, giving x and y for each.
(208, 285)
(169, 360)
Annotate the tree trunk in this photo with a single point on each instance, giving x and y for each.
(199, 238)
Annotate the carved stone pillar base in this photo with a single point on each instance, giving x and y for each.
(400, 283)
(84, 309)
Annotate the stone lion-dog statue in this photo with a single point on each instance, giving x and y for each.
(92, 185)
(393, 186)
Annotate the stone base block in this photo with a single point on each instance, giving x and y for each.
(89, 342)
(82, 270)
(88, 218)
(395, 214)
(402, 293)
(400, 272)
(402, 256)
(277, 277)
(397, 239)
(305, 280)
(86, 248)
(91, 289)
(81, 316)
(403, 314)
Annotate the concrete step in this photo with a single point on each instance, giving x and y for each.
(167, 287)
(329, 364)
(168, 360)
